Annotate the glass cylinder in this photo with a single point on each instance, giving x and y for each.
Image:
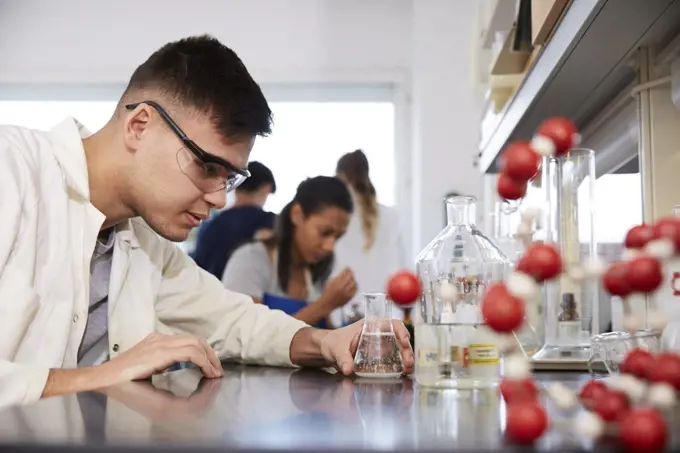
(378, 354)
(571, 306)
(504, 229)
(453, 347)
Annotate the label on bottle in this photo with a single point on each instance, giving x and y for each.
(568, 332)
(427, 356)
(483, 354)
(459, 355)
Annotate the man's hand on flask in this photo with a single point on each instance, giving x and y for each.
(157, 352)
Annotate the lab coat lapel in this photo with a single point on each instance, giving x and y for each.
(124, 243)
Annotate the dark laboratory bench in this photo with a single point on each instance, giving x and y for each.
(260, 408)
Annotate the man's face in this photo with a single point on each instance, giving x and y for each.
(160, 188)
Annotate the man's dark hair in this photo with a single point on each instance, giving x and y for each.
(260, 175)
(203, 74)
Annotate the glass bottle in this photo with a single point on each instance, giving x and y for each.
(378, 354)
(453, 346)
(571, 309)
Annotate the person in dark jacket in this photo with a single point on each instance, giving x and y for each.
(243, 221)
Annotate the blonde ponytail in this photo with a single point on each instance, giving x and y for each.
(353, 168)
(368, 211)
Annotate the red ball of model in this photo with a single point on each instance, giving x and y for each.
(638, 236)
(669, 228)
(643, 431)
(542, 261)
(403, 288)
(615, 280)
(526, 421)
(637, 362)
(514, 390)
(612, 406)
(561, 132)
(665, 368)
(502, 311)
(644, 274)
(520, 162)
(510, 189)
(591, 393)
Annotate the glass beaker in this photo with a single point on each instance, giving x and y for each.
(611, 348)
(571, 308)
(454, 348)
(378, 354)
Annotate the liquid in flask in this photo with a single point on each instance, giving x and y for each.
(378, 354)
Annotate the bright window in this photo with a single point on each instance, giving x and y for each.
(309, 137)
(307, 140)
(617, 206)
(45, 114)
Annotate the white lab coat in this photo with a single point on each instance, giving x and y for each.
(371, 268)
(49, 233)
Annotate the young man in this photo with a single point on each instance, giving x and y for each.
(92, 290)
(242, 222)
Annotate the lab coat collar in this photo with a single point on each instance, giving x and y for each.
(126, 233)
(70, 154)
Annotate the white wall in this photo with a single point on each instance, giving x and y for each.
(446, 110)
(421, 46)
(279, 40)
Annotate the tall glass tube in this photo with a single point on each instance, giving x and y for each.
(504, 229)
(571, 306)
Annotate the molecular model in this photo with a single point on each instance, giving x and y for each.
(629, 408)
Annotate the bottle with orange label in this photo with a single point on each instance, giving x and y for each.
(453, 346)
(457, 355)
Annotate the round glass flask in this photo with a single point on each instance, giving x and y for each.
(453, 346)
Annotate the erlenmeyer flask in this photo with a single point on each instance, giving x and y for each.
(378, 354)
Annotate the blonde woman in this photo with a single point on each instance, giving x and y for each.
(373, 246)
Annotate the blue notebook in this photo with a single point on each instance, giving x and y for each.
(288, 306)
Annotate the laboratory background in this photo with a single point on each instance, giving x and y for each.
(421, 99)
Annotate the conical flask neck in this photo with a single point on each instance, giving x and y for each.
(460, 210)
(377, 306)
